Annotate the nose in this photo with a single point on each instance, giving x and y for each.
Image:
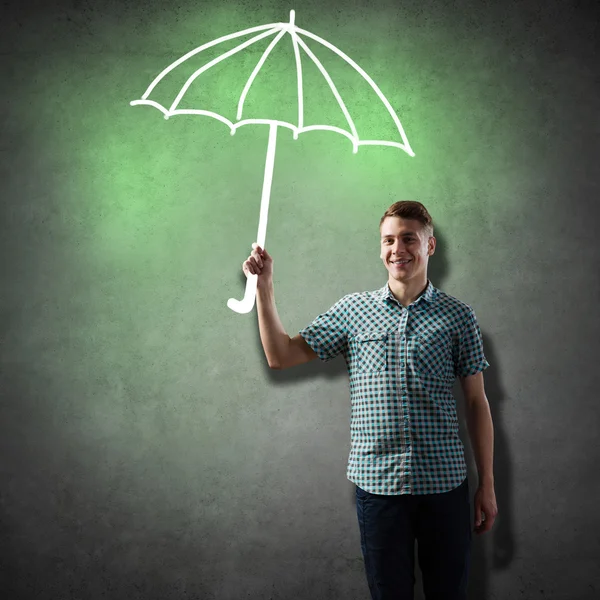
(397, 248)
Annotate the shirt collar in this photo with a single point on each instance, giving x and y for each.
(429, 295)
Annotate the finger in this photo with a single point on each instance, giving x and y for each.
(252, 266)
(262, 253)
(484, 527)
(257, 259)
(481, 528)
(256, 265)
(477, 516)
(489, 523)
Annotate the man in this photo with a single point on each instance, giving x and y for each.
(404, 346)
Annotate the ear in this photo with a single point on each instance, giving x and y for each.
(432, 244)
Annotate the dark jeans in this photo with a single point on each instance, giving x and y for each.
(440, 523)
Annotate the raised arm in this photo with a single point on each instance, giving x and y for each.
(281, 351)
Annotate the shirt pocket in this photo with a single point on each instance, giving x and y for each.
(371, 351)
(434, 354)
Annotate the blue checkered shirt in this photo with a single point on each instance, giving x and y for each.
(402, 363)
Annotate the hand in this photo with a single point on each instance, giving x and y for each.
(259, 263)
(485, 508)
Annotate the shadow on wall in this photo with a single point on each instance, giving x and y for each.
(495, 549)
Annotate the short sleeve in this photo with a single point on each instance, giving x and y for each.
(327, 335)
(471, 359)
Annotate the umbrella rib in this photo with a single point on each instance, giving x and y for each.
(255, 72)
(331, 85)
(215, 61)
(300, 83)
(365, 76)
(191, 53)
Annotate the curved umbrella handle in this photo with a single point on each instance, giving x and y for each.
(247, 303)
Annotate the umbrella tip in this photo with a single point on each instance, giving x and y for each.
(292, 16)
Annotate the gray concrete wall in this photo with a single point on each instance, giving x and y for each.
(146, 450)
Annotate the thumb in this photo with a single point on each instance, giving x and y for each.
(266, 254)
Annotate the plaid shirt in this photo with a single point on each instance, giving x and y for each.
(402, 363)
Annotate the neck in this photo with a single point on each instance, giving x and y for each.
(407, 293)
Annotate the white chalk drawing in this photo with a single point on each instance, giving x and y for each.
(295, 33)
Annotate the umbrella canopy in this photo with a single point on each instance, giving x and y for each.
(293, 35)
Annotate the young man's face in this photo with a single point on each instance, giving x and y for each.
(405, 239)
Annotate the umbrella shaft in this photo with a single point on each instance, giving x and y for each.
(266, 190)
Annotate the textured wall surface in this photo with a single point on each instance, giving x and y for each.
(146, 449)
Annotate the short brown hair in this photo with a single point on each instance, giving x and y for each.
(410, 209)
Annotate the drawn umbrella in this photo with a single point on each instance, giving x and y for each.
(295, 35)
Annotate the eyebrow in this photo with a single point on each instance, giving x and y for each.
(403, 233)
